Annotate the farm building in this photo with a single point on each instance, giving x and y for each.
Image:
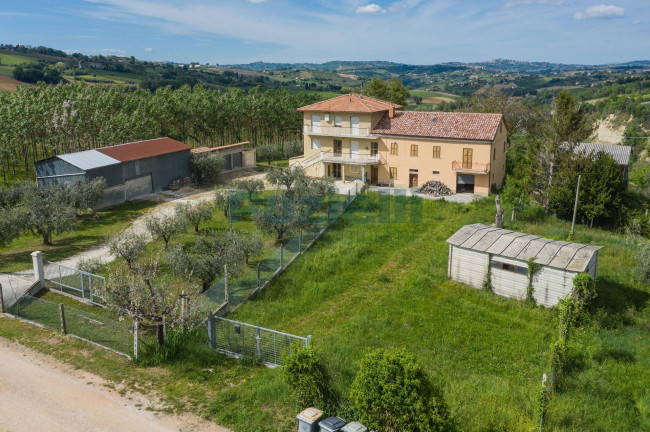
(620, 154)
(131, 170)
(235, 155)
(474, 248)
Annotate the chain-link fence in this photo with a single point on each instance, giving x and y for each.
(255, 279)
(109, 333)
(73, 281)
(245, 340)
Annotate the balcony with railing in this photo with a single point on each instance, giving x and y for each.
(470, 167)
(337, 131)
(349, 157)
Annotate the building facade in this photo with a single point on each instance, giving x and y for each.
(354, 137)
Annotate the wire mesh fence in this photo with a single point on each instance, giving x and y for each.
(107, 332)
(245, 340)
(254, 279)
(73, 281)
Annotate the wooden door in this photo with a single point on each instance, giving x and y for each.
(467, 158)
(413, 180)
(374, 148)
(374, 175)
(336, 170)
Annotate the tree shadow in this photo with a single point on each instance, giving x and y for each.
(614, 301)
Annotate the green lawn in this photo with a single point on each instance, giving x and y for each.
(15, 59)
(284, 163)
(425, 93)
(89, 231)
(380, 282)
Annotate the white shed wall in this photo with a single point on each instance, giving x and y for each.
(507, 283)
(550, 285)
(468, 266)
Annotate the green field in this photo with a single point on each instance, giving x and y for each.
(15, 59)
(424, 93)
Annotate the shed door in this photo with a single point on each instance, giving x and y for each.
(227, 162)
(237, 160)
(138, 187)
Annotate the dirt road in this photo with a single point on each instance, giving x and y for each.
(39, 393)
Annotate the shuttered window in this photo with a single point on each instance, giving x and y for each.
(393, 148)
(414, 149)
(393, 172)
(436, 152)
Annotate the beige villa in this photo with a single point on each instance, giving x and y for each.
(355, 137)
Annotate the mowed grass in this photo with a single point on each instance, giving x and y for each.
(371, 285)
(88, 231)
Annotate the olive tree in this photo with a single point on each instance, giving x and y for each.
(12, 223)
(392, 393)
(86, 194)
(164, 226)
(48, 210)
(194, 214)
(249, 185)
(205, 167)
(143, 292)
(128, 246)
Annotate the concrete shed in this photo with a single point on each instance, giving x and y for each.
(236, 156)
(131, 170)
(474, 248)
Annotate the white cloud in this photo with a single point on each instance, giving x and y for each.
(148, 50)
(600, 12)
(370, 9)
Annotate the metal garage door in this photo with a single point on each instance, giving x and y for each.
(237, 160)
(137, 187)
(228, 162)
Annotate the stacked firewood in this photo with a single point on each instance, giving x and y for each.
(435, 188)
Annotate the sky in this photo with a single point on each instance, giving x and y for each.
(406, 31)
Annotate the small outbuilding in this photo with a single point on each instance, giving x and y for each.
(476, 251)
(131, 170)
(235, 156)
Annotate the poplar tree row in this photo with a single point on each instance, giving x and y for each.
(38, 122)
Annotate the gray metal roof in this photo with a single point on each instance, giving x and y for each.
(88, 159)
(552, 253)
(620, 153)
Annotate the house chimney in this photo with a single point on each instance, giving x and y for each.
(391, 112)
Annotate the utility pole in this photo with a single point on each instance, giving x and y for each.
(575, 210)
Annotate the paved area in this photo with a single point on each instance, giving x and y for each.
(460, 198)
(38, 393)
(15, 285)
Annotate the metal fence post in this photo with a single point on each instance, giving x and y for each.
(259, 344)
(225, 280)
(90, 288)
(2, 300)
(281, 255)
(62, 317)
(39, 273)
(259, 280)
(212, 333)
(136, 328)
(83, 292)
(307, 341)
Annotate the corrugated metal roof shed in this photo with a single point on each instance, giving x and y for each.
(143, 149)
(553, 253)
(620, 153)
(88, 159)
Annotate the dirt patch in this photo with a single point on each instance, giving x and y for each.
(436, 100)
(610, 130)
(350, 76)
(38, 392)
(8, 83)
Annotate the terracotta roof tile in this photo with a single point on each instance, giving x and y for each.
(352, 103)
(453, 125)
(143, 149)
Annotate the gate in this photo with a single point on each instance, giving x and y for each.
(239, 339)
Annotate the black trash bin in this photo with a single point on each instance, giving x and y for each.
(332, 424)
(308, 420)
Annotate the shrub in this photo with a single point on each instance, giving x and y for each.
(90, 265)
(392, 393)
(643, 263)
(309, 379)
(533, 268)
(584, 289)
(205, 167)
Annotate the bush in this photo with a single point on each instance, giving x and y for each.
(205, 167)
(90, 265)
(643, 263)
(392, 393)
(584, 289)
(309, 379)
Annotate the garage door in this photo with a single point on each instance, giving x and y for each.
(138, 187)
